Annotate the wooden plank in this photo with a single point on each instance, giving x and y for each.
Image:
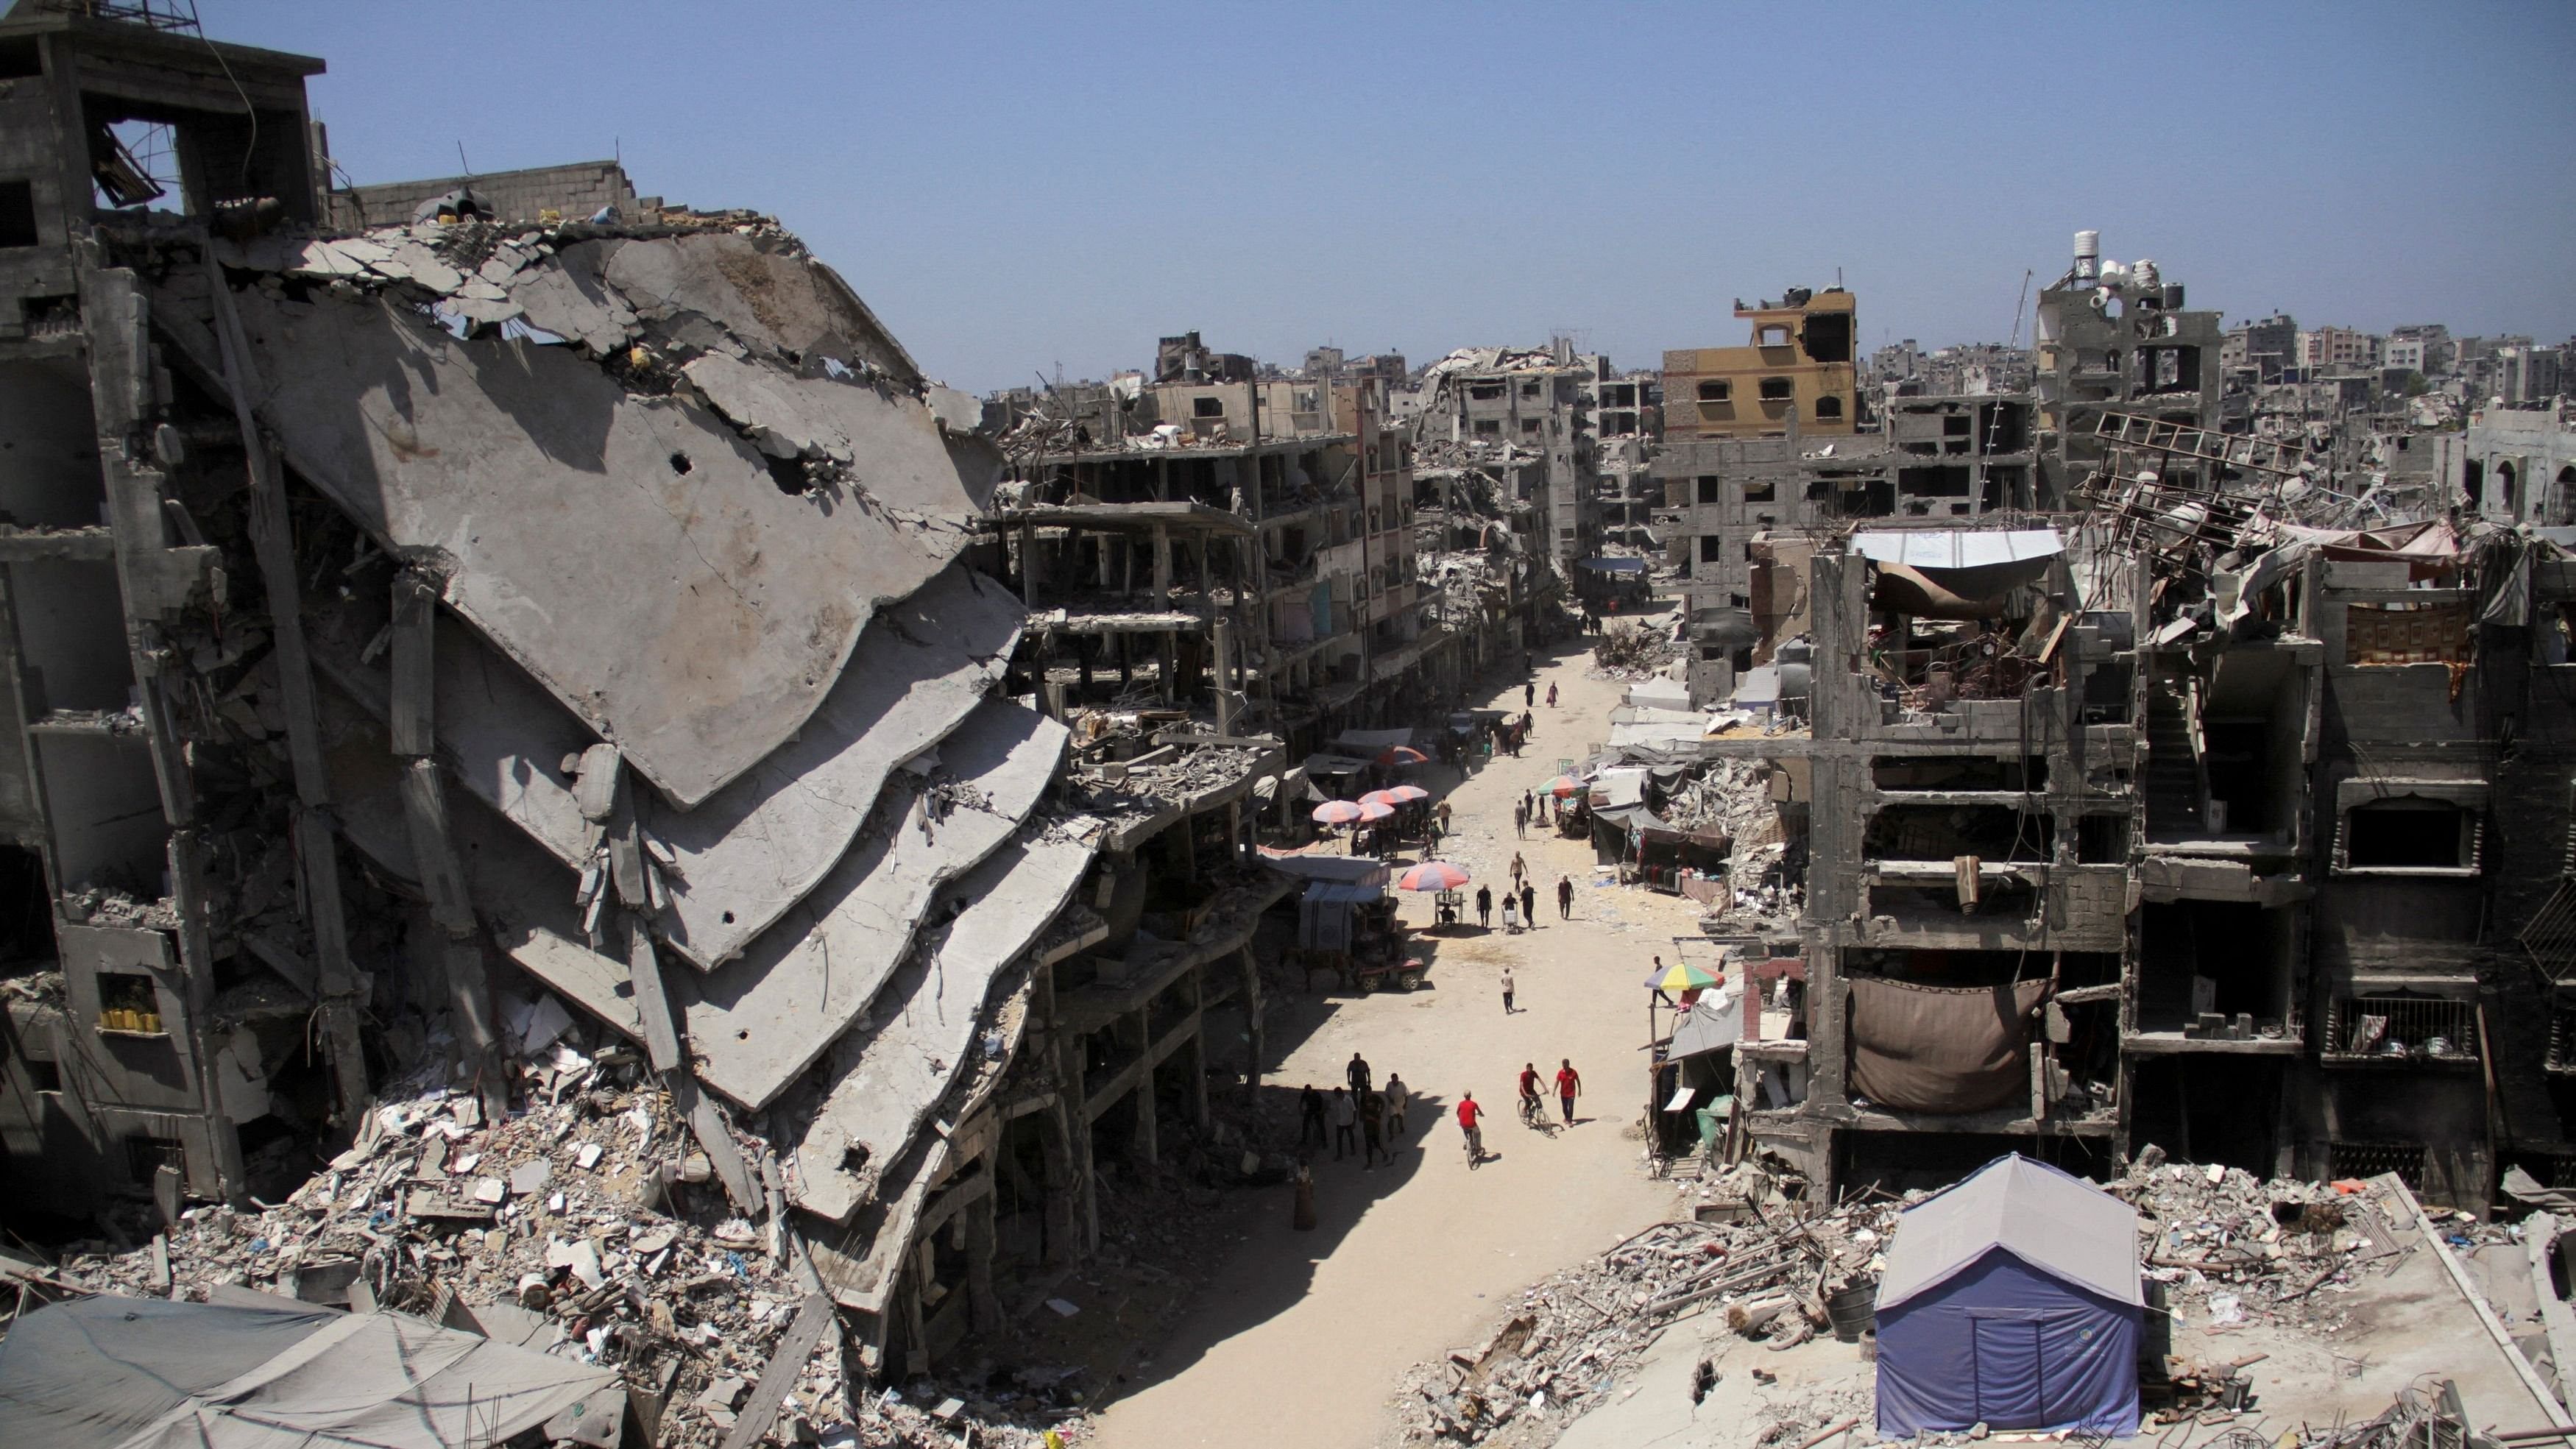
(751, 1422)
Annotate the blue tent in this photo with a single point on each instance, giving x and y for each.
(2011, 1299)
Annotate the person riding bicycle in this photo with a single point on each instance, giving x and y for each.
(1530, 1109)
(1468, 1113)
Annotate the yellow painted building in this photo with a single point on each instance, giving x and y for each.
(1798, 364)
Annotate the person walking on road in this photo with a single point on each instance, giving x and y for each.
(1520, 820)
(1443, 813)
(1551, 696)
(1507, 996)
(1565, 898)
(1484, 908)
(1529, 904)
(1310, 1115)
(1346, 1121)
(1372, 1130)
(1529, 694)
(1569, 1085)
(1394, 1095)
(1511, 914)
(1520, 868)
(1468, 1114)
(1358, 1074)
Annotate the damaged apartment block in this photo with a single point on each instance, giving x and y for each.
(2227, 813)
(418, 624)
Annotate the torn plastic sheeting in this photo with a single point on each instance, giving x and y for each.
(893, 1075)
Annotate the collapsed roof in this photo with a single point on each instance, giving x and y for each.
(723, 669)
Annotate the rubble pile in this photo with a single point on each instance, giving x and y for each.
(2230, 1248)
(1639, 652)
(1731, 797)
(586, 1224)
(1754, 1259)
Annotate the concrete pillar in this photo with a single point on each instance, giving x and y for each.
(1084, 1199)
(1028, 565)
(1148, 1137)
(1253, 1047)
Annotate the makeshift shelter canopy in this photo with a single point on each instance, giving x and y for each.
(141, 1373)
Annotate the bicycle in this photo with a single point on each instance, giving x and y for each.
(1534, 1117)
(1475, 1147)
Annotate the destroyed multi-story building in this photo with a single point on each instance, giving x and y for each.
(1493, 402)
(412, 628)
(1260, 533)
(2117, 339)
(1730, 489)
(2207, 819)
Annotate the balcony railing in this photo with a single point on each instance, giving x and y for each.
(2401, 1031)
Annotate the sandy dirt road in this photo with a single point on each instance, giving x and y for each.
(1302, 1336)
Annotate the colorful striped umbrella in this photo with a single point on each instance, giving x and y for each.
(1336, 812)
(1373, 810)
(1387, 798)
(1683, 976)
(1564, 785)
(1401, 755)
(1432, 875)
(1407, 792)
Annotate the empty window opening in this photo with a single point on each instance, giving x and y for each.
(1716, 390)
(1778, 389)
(2216, 969)
(1489, 427)
(133, 163)
(2239, 759)
(2409, 833)
(1827, 337)
(2170, 369)
(1955, 426)
(1712, 548)
(26, 909)
(2000, 900)
(17, 214)
(1947, 968)
(1761, 492)
(1710, 489)
(21, 57)
(1773, 334)
(146, 1156)
(43, 1076)
(1946, 832)
(1949, 482)
(1829, 406)
(1485, 391)
(1529, 389)
(128, 1002)
(2102, 840)
(1207, 407)
(1959, 772)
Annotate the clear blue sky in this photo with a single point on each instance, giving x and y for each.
(1016, 187)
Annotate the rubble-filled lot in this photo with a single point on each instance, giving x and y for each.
(586, 1225)
(2242, 1270)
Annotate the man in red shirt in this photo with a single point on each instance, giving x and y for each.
(1468, 1112)
(1569, 1085)
(1529, 1092)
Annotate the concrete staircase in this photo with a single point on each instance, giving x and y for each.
(2173, 773)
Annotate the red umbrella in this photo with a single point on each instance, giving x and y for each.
(1432, 875)
(1402, 755)
(1564, 785)
(1337, 812)
(1406, 792)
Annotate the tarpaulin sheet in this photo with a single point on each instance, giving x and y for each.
(148, 1374)
(1944, 1049)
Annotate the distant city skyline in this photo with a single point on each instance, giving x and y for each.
(1013, 188)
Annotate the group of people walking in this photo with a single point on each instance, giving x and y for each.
(1520, 901)
(1364, 1120)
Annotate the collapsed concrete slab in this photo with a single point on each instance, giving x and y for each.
(612, 533)
(891, 1074)
(757, 1022)
(758, 845)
